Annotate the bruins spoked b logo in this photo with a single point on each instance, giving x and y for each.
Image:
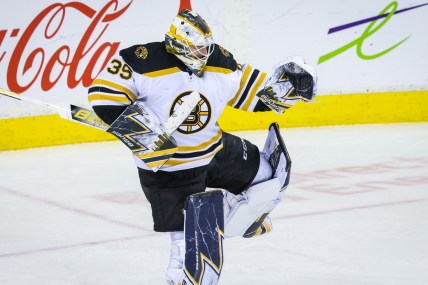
(198, 118)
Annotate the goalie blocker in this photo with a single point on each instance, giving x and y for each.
(143, 133)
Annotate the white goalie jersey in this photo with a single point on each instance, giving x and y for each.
(149, 74)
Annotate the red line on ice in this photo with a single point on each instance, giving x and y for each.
(81, 212)
(34, 251)
(350, 209)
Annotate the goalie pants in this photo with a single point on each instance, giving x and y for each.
(233, 168)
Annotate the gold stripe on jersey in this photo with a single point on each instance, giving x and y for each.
(218, 69)
(162, 72)
(105, 97)
(158, 159)
(247, 71)
(172, 162)
(253, 91)
(115, 86)
(202, 145)
(196, 151)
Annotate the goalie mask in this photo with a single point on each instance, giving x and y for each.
(190, 40)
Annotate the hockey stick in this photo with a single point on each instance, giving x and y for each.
(72, 113)
(88, 117)
(156, 145)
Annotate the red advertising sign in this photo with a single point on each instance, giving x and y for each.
(33, 61)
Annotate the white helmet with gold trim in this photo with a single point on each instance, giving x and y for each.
(190, 40)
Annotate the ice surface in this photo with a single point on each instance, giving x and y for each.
(356, 212)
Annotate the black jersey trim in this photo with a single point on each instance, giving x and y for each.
(154, 58)
(221, 58)
(250, 83)
(97, 89)
(156, 158)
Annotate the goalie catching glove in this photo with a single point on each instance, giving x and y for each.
(289, 82)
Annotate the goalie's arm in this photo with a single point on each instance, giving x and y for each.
(250, 81)
(289, 82)
(113, 97)
(113, 90)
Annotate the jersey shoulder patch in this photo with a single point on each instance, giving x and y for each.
(222, 58)
(146, 58)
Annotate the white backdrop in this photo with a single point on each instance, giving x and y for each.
(54, 56)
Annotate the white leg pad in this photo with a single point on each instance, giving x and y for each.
(247, 208)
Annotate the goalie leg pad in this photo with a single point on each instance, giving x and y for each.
(268, 194)
(277, 155)
(262, 225)
(279, 159)
(204, 227)
(244, 209)
(176, 260)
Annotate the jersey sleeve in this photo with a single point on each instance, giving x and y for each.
(113, 90)
(251, 81)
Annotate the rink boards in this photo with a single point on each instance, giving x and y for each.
(26, 132)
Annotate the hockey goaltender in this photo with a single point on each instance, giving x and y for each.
(163, 100)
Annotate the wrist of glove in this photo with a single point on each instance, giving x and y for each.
(289, 82)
